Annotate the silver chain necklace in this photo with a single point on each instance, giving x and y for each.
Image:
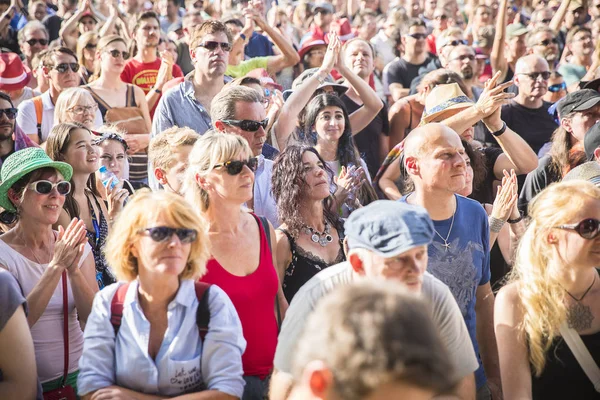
(446, 245)
(322, 238)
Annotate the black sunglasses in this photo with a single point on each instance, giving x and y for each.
(547, 42)
(234, 167)
(8, 217)
(45, 187)
(456, 42)
(212, 46)
(587, 229)
(164, 233)
(557, 88)
(116, 54)
(534, 75)
(11, 113)
(33, 42)
(418, 36)
(64, 67)
(546, 21)
(247, 124)
(91, 46)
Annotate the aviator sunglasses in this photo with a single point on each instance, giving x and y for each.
(64, 67)
(587, 229)
(164, 233)
(558, 87)
(247, 124)
(212, 45)
(45, 187)
(234, 167)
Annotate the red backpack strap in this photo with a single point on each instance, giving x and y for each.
(39, 113)
(203, 312)
(116, 307)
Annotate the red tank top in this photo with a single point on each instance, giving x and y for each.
(253, 296)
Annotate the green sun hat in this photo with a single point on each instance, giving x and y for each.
(22, 162)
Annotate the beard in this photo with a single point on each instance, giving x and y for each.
(467, 73)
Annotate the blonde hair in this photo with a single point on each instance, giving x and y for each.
(162, 148)
(67, 99)
(210, 149)
(540, 292)
(83, 41)
(141, 211)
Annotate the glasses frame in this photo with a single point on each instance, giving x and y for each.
(185, 235)
(116, 53)
(247, 125)
(34, 186)
(6, 111)
(63, 68)
(91, 109)
(557, 88)
(578, 227)
(211, 45)
(33, 42)
(235, 167)
(534, 75)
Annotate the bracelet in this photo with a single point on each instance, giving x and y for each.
(157, 90)
(495, 224)
(501, 131)
(516, 220)
(321, 80)
(243, 37)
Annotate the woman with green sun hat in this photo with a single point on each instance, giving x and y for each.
(47, 263)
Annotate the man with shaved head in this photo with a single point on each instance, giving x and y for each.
(434, 158)
(527, 114)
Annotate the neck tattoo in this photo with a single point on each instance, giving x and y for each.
(446, 244)
(323, 238)
(579, 316)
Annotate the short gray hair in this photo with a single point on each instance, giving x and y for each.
(223, 105)
(31, 26)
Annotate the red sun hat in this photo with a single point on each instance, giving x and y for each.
(13, 74)
(308, 44)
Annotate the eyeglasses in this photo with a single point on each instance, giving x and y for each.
(8, 217)
(547, 42)
(46, 187)
(587, 229)
(33, 42)
(164, 233)
(234, 167)
(11, 113)
(558, 87)
(463, 57)
(535, 75)
(247, 124)
(80, 110)
(116, 54)
(418, 36)
(441, 17)
(456, 42)
(64, 67)
(546, 21)
(212, 46)
(91, 46)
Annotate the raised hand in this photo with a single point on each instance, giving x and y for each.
(332, 53)
(493, 97)
(69, 246)
(116, 197)
(506, 199)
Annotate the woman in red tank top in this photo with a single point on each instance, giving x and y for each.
(220, 180)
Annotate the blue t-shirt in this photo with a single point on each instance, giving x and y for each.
(465, 264)
(259, 46)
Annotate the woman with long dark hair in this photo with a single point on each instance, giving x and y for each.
(328, 129)
(310, 237)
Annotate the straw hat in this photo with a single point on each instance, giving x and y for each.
(443, 98)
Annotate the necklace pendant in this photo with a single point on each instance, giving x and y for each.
(579, 317)
(446, 246)
(315, 238)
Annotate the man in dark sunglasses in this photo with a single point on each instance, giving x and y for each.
(33, 38)
(239, 110)
(543, 42)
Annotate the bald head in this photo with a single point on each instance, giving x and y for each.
(531, 63)
(426, 138)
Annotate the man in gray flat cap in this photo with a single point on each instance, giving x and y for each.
(388, 240)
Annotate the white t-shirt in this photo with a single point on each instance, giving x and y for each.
(28, 93)
(446, 317)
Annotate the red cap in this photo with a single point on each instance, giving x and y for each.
(13, 74)
(343, 29)
(309, 44)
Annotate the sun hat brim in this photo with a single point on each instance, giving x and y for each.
(65, 170)
(456, 103)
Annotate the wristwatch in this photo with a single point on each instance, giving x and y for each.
(157, 90)
(501, 131)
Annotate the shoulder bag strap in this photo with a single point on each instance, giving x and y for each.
(203, 311)
(116, 307)
(265, 223)
(582, 354)
(65, 327)
(97, 97)
(39, 113)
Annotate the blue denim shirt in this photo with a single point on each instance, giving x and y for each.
(183, 364)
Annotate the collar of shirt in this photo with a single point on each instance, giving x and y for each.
(185, 295)
(188, 85)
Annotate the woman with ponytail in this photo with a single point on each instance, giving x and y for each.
(553, 290)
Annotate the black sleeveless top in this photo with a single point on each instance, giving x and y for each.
(563, 378)
(304, 265)
(103, 105)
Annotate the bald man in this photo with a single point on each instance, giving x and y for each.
(527, 114)
(459, 254)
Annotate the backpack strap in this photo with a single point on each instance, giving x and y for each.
(116, 307)
(203, 312)
(39, 113)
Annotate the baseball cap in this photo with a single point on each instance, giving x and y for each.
(591, 141)
(323, 7)
(515, 30)
(388, 228)
(589, 171)
(580, 100)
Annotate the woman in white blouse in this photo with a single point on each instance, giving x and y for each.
(158, 245)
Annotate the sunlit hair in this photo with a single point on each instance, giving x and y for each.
(141, 212)
(210, 149)
(223, 105)
(441, 77)
(84, 40)
(164, 146)
(207, 28)
(288, 185)
(565, 155)
(69, 98)
(537, 266)
(103, 43)
(372, 333)
(56, 145)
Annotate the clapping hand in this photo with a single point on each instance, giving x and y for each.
(505, 203)
(69, 246)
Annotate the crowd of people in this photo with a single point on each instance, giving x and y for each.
(235, 199)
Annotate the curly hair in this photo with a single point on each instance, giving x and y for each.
(289, 187)
(541, 296)
(347, 154)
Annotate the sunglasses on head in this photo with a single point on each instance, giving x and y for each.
(547, 42)
(64, 67)
(117, 53)
(535, 75)
(33, 42)
(11, 113)
(46, 187)
(418, 36)
(558, 87)
(234, 167)
(247, 124)
(212, 46)
(91, 46)
(587, 229)
(164, 233)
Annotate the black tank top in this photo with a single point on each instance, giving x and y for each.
(563, 378)
(304, 265)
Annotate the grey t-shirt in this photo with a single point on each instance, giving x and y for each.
(10, 297)
(445, 312)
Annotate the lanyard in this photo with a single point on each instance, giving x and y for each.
(95, 224)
